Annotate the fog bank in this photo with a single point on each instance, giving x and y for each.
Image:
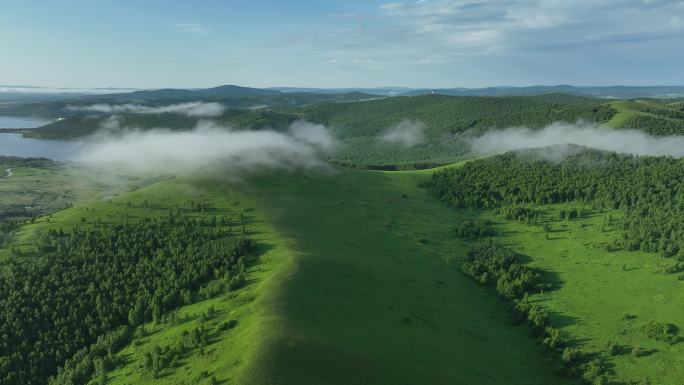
(195, 109)
(165, 151)
(623, 141)
(316, 135)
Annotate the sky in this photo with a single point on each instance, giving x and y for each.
(341, 43)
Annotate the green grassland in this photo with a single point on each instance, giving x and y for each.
(612, 275)
(651, 116)
(357, 278)
(601, 296)
(353, 285)
(357, 281)
(371, 298)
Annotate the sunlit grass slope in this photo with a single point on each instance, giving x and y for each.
(604, 296)
(652, 117)
(229, 348)
(371, 299)
(353, 286)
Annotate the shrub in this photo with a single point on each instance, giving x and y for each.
(661, 331)
(570, 356)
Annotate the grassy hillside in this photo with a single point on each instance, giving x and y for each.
(651, 116)
(605, 229)
(602, 300)
(353, 280)
(605, 298)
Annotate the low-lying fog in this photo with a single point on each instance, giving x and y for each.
(601, 138)
(165, 151)
(303, 145)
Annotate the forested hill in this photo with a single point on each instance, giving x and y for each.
(447, 121)
(359, 124)
(648, 190)
(95, 283)
(358, 121)
(239, 100)
(455, 114)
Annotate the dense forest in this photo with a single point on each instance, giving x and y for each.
(648, 190)
(101, 281)
(447, 121)
(656, 125)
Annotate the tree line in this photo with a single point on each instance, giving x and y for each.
(501, 269)
(648, 190)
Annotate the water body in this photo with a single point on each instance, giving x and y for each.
(16, 145)
(21, 122)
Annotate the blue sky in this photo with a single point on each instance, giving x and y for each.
(344, 43)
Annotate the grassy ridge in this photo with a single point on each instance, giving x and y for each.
(370, 289)
(353, 287)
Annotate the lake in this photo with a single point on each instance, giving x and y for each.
(16, 145)
(21, 122)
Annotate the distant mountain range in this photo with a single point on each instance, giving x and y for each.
(617, 92)
(28, 93)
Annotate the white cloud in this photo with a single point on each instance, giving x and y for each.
(195, 109)
(238, 151)
(316, 135)
(446, 31)
(633, 142)
(407, 133)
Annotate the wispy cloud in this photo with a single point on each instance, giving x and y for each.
(195, 109)
(192, 28)
(407, 133)
(428, 32)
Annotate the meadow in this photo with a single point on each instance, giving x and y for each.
(352, 280)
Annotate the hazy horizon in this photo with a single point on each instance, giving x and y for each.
(37, 89)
